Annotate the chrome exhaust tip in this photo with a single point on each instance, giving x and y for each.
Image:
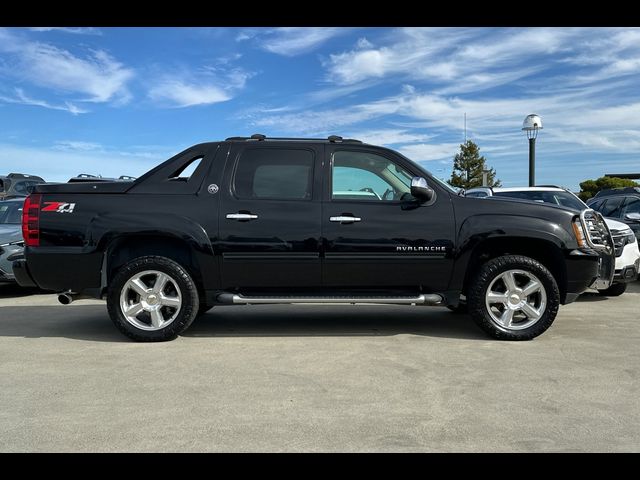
(65, 298)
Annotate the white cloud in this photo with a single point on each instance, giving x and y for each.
(388, 136)
(421, 152)
(208, 85)
(75, 145)
(291, 41)
(73, 30)
(459, 60)
(181, 94)
(21, 98)
(96, 75)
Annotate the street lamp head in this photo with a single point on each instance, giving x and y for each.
(532, 123)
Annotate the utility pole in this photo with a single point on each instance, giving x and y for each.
(465, 127)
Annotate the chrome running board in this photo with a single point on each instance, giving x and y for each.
(239, 299)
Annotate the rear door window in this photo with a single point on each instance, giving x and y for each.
(274, 174)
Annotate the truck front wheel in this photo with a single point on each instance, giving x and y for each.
(614, 290)
(513, 297)
(152, 299)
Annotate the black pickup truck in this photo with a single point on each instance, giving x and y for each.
(256, 220)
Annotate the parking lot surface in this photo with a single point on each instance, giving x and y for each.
(318, 378)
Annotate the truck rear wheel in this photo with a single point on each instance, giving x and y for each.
(513, 297)
(152, 299)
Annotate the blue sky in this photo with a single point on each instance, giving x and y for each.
(116, 101)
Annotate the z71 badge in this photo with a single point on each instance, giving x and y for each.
(59, 207)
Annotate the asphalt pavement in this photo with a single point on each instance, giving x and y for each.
(318, 378)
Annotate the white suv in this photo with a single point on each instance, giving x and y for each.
(627, 252)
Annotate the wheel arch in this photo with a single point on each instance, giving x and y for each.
(124, 236)
(542, 250)
(482, 237)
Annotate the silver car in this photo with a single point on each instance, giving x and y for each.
(11, 243)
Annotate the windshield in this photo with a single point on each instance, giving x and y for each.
(561, 198)
(10, 213)
(443, 184)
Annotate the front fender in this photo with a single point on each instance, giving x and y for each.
(479, 228)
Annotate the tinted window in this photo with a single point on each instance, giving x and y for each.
(612, 207)
(11, 213)
(274, 173)
(595, 205)
(24, 188)
(367, 176)
(476, 194)
(563, 199)
(632, 206)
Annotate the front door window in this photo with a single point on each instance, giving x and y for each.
(368, 177)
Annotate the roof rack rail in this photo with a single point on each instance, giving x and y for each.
(21, 175)
(617, 191)
(260, 137)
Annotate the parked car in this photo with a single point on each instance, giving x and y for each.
(11, 243)
(621, 204)
(255, 220)
(86, 177)
(626, 245)
(17, 184)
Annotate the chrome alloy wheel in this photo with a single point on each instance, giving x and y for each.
(516, 299)
(150, 300)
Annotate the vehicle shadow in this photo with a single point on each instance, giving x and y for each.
(333, 320)
(592, 297)
(13, 290)
(92, 323)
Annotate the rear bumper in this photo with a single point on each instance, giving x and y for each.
(22, 275)
(47, 268)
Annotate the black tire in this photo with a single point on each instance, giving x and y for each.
(492, 270)
(614, 290)
(185, 314)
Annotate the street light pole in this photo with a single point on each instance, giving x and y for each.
(532, 123)
(532, 162)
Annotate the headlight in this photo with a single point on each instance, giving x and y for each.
(591, 231)
(629, 237)
(578, 231)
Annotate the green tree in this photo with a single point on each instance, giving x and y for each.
(468, 165)
(589, 188)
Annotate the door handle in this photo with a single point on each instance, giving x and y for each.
(241, 216)
(344, 219)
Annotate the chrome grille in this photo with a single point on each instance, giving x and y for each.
(598, 234)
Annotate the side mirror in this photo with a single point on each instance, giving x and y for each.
(420, 190)
(633, 216)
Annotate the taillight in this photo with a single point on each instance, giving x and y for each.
(31, 220)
